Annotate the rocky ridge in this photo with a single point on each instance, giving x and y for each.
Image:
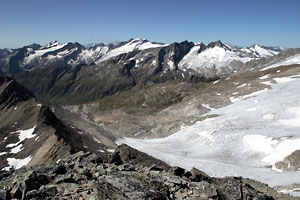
(124, 174)
(31, 133)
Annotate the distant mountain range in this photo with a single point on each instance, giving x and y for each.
(196, 56)
(72, 73)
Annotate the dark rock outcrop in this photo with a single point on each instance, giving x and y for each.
(87, 176)
(290, 163)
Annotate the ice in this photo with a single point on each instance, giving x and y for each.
(284, 148)
(239, 142)
(260, 143)
(294, 120)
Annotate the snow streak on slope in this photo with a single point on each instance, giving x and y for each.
(50, 47)
(18, 163)
(245, 139)
(263, 52)
(136, 44)
(293, 60)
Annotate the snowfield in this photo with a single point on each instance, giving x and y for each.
(246, 139)
(42, 51)
(136, 44)
(18, 163)
(293, 60)
(210, 58)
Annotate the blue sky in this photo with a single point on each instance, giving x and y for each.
(239, 22)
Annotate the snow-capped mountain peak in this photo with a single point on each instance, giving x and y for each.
(53, 43)
(131, 45)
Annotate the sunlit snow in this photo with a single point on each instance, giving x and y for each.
(210, 58)
(246, 139)
(17, 163)
(138, 44)
(288, 61)
(41, 52)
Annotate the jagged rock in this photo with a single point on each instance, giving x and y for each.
(177, 171)
(106, 180)
(197, 175)
(290, 163)
(60, 169)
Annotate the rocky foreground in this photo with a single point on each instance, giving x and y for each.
(125, 174)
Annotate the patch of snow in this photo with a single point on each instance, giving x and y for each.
(16, 149)
(111, 150)
(207, 106)
(265, 76)
(171, 65)
(243, 85)
(267, 82)
(22, 134)
(26, 134)
(96, 140)
(17, 163)
(3, 153)
(42, 51)
(215, 82)
(293, 60)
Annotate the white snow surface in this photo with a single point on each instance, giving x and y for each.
(215, 57)
(23, 134)
(17, 163)
(293, 60)
(136, 44)
(263, 52)
(246, 138)
(42, 51)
